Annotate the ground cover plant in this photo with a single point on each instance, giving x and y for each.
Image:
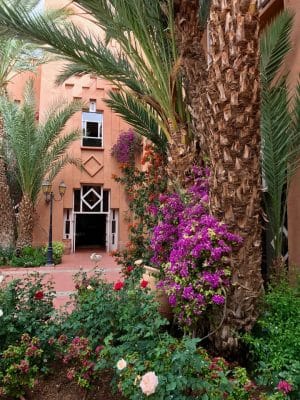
(275, 341)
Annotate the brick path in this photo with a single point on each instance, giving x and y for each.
(62, 273)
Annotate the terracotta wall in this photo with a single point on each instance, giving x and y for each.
(98, 164)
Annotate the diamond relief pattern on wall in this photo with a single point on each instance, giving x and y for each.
(92, 166)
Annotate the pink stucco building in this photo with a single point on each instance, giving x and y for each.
(92, 212)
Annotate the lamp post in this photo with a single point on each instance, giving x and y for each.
(49, 196)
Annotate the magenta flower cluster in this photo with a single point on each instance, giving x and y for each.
(127, 145)
(193, 248)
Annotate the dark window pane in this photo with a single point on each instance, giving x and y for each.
(105, 200)
(113, 227)
(92, 129)
(92, 142)
(67, 228)
(76, 200)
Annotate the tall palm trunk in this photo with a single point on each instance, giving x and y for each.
(25, 222)
(189, 33)
(234, 149)
(7, 220)
(181, 156)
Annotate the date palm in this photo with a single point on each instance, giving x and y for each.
(234, 151)
(143, 64)
(280, 127)
(39, 150)
(16, 56)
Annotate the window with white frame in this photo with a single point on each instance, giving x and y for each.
(91, 199)
(92, 129)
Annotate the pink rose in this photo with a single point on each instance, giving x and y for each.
(149, 383)
(284, 387)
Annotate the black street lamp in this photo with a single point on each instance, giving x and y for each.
(49, 196)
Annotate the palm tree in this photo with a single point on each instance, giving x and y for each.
(144, 65)
(16, 56)
(280, 128)
(190, 24)
(39, 150)
(149, 69)
(234, 152)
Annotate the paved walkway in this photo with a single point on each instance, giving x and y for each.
(62, 273)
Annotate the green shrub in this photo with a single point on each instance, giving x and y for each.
(6, 255)
(26, 307)
(120, 310)
(29, 257)
(179, 370)
(275, 341)
(20, 365)
(58, 251)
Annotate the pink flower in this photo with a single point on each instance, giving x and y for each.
(144, 284)
(24, 366)
(149, 383)
(98, 349)
(118, 285)
(284, 387)
(71, 374)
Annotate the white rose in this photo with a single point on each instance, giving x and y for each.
(89, 287)
(149, 383)
(1, 278)
(138, 262)
(1, 313)
(121, 364)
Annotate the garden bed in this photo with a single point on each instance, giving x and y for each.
(58, 387)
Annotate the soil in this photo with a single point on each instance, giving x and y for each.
(58, 387)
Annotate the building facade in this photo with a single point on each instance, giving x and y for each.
(92, 212)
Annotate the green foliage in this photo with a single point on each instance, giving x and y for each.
(145, 69)
(38, 148)
(20, 365)
(280, 124)
(29, 257)
(183, 370)
(143, 188)
(5, 255)
(58, 251)
(101, 309)
(275, 341)
(27, 307)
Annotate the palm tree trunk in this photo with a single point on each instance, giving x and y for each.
(189, 34)
(7, 220)
(25, 222)
(234, 149)
(181, 156)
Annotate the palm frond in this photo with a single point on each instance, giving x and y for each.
(279, 120)
(142, 120)
(143, 59)
(39, 149)
(274, 45)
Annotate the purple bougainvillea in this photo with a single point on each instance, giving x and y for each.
(193, 248)
(128, 144)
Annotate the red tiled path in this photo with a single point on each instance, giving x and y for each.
(62, 274)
